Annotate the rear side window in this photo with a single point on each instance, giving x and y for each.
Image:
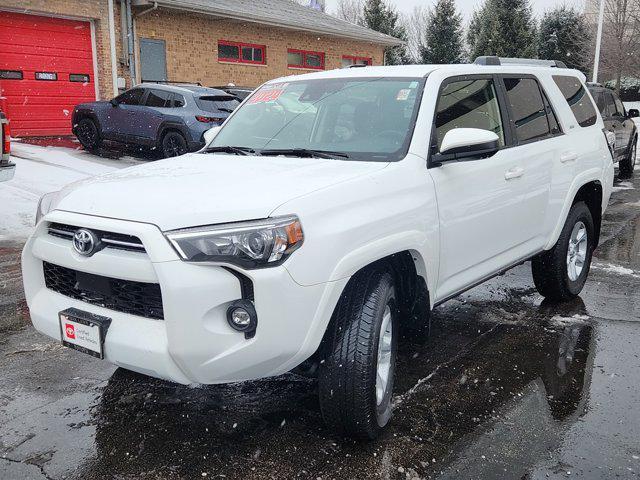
(528, 109)
(576, 96)
(619, 105)
(468, 104)
(215, 103)
(610, 104)
(178, 100)
(158, 98)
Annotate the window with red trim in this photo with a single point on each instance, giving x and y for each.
(239, 52)
(348, 60)
(305, 59)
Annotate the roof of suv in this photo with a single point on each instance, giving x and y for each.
(424, 70)
(184, 88)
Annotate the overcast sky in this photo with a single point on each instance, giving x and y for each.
(467, 6)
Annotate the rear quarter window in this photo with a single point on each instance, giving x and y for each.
(576, 96)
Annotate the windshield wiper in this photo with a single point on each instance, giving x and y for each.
(230, 149)
(224, 109)
(304, 152)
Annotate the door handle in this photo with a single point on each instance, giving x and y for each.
(568, 157)
(515, 172)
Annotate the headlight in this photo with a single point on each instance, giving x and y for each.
(254, 244)
(44, 205)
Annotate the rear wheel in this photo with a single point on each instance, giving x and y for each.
(88, 134)
(560, 273)
(173, 145)
(627, 166)
(357, 375)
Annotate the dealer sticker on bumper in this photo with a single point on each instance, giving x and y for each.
(83, 331)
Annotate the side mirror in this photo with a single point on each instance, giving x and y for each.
(210, 134)
(114, 102)
(462, 144)
(634, 113)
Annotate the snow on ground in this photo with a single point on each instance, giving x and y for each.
(40, 170)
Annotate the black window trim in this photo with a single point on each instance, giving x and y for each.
(546, 104)
(502, 105)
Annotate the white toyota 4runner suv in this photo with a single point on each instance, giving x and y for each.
(330, 211)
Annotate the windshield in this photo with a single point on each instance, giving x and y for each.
(368, 119)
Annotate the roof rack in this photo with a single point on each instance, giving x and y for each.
(492, 60)
(171, 82)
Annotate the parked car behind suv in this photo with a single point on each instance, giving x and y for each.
(171, 118)
(620, 122)
(330, 211)
(7, 169)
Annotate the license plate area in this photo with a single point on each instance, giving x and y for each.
(83, 331)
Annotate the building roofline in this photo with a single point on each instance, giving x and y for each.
(214, 11)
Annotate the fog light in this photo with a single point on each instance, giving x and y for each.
(242, 316)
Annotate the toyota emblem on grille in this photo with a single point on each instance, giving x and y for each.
(85, 242)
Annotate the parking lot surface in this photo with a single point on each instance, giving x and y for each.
(507, 387)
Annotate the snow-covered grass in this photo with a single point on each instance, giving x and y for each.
(40, 170)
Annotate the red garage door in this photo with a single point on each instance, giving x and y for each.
(46, 68)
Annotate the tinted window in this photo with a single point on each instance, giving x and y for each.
(131, 97)
(610, 104)
(79, 77)
(600, 102)
(468, 104)
(216, 103)
(178, 100)
(576, 96)
(619, 106)
(527, 108)
(158, 98)
(554, 126)
(229, 52)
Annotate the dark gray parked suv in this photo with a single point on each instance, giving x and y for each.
(171, 118)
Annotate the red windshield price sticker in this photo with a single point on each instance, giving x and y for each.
(268, 93)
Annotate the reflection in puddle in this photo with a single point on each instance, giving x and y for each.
(476, 370)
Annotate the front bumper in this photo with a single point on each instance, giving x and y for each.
(194, 343)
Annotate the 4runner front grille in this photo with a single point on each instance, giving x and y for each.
(118, 241)
(135, 298)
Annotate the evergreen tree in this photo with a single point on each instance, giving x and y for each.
(505, 28)
(382, 18)
(443, 38)
(565, 35)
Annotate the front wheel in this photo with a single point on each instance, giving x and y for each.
(628, 164)
(357, 374)
(88, 134)
(560, 273)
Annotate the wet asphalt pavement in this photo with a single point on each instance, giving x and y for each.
(508, 387)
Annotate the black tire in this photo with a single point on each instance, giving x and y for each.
(88, 134)
(173, 144)
(551, 270)
(347, 376)
(627, 166)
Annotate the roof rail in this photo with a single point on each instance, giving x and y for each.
(494, 61)
(171, 82)
(357, 65)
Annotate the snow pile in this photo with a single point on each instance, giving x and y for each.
(40, 170)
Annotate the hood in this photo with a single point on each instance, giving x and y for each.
(203, 189)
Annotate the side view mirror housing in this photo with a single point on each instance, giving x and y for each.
(114, 102)
(634, 113)
(464, 144)
(210, 134)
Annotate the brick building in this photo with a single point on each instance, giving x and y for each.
(57, 53)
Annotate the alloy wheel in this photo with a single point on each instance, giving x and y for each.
(577, 251)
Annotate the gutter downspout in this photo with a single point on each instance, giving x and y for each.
(130, 42)
(150, 9)
(112, 46)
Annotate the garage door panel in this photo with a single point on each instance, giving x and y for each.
(30, 44)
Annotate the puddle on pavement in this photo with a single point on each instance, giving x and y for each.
(273, 428)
